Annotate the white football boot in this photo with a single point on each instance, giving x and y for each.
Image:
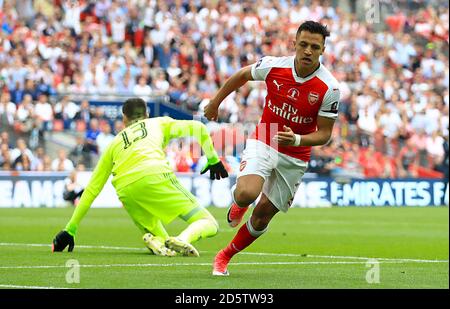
(156, 245)
(184, 248)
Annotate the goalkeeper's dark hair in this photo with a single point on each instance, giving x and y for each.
(134, 108)
(313, 27)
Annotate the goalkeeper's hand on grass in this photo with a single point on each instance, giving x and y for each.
(61, 241)
(216, 171)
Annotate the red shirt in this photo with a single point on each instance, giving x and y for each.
(294, 101)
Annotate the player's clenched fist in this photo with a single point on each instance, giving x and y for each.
(286, 137)
(211, 110)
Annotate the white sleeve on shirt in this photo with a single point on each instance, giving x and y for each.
(330, 103)
(261, 69)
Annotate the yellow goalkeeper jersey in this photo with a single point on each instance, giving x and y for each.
(136, 152)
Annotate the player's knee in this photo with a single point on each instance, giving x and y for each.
(245, 196)
(211, 225)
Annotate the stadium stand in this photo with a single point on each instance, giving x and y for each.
(64, 65)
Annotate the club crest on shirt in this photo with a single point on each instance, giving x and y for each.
(313, 97)
(293, 94)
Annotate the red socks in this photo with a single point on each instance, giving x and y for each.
(244, 238)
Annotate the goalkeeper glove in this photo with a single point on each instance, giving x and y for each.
(216, 171)
(61, 240)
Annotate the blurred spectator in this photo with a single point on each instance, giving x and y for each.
(376, 165)
(443, 167)
(99, 114)
(30, 88)
(419, 140)
(21, 149)
(24, 116)
(65, 85)
(91, 135)
(72, 10)
(36, 138)
(38, 160)
(44, 112)
(104, 138)
(84, 113)
(22, 163)
(160, 84)
(352, 117)
(191, 99)
(7, 110)
(17, 93)
(367, 126)
(118, 29)
(5, 157)
(435, 149)
(208, 86)
(72, 188)
(81, 154)
(66, 110)
(126, 85)
(4, 139)
(408, 160)
(346, 162)
(141, 88)
(62, 163)
(118, 126)
(46, 164)
(405, 131)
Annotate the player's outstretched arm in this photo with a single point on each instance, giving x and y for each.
(182, 128)
(231, 84)
(99, 177)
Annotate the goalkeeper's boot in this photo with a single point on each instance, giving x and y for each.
(220, 264)
(235, 214)
(156, 245)
(184, 248)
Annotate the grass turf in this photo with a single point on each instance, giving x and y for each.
(306, 248)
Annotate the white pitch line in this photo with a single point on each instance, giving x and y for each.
(12, 286)
(198, 264)
(7, 244)
(381, 259)
(345, 257)
(246, 253)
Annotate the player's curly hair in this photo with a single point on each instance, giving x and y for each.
(313, 27)
(134, 108)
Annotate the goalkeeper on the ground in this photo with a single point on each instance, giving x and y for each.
(147, 186)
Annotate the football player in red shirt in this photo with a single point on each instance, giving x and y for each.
(300, 109)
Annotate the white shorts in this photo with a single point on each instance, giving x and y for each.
(282, 173)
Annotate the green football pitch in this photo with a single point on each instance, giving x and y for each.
(347, 247)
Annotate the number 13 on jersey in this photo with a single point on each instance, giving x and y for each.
(139, 131)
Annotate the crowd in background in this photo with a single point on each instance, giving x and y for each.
(394, 110)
